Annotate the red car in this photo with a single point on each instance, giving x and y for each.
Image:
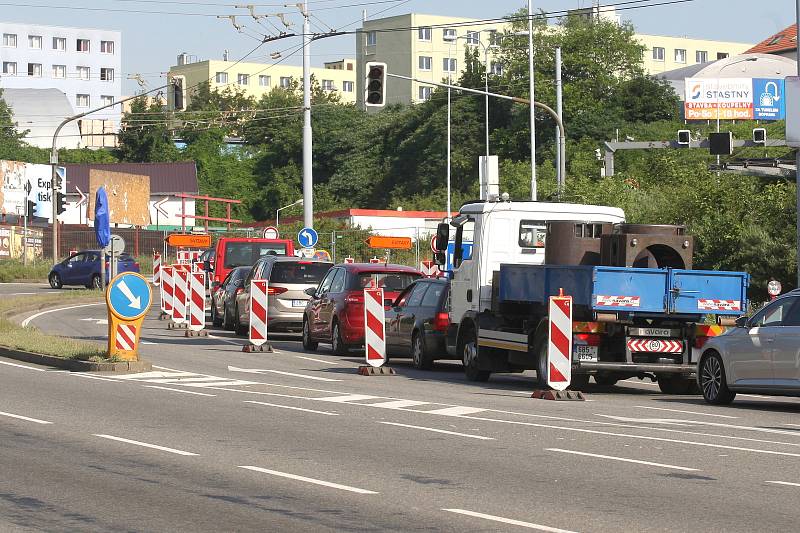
(335, 312)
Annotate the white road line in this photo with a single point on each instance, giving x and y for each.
(623, 459)
(304, 376)
(145, 444)
(685, 412)
(88, 376)
(23, 366)
(309, 480)
(455, 411)
(225, 340)
(479, 437)
(37, 315)
(20, 294)
(180, 390)
(147, 342)
(396, 404)
(510, 521)
(316, 360)
(259, 393)
(293, 408)
(784, 483)
(150, 375)
(795, 425)
(223, 383)
(180, 381)
(346, 398)
(29, 419)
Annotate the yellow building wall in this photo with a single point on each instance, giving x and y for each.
(691, 46)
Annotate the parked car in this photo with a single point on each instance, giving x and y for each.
(417, 323)
(222, 297)
(335, 312)
(83, 268)
(232, 252)
(760, 355)
(288, 277)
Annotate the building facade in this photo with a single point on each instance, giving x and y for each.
(665, 53)
(83, 63)
(258, 79)
(783, 43)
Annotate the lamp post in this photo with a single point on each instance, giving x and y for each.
(530, 83)
(723, 67)
(278, 211)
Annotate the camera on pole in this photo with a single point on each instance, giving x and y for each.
(376, 85)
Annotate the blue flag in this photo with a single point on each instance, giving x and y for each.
(102, 228)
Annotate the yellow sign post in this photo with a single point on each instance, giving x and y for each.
(128, 299)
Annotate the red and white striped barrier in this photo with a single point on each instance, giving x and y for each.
(374, 327)
(258, 311)
(618, 301)
(429, 269)
(125, 337)
(185, 257)
(156, 268)
(704, 304)
(655, 345)
(179, 296)
(559, 345)
(167, 289)
(197, 301)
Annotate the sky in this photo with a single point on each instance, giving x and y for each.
(154, 32)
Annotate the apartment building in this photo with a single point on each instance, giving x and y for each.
(83, 63)
(669, 53)
(258, 79)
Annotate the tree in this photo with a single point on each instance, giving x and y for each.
(10, 137)
(144, 135)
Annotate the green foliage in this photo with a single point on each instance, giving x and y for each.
(145, 136)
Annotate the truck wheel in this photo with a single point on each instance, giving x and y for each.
(469, 356)
(674, 384)
(541, 363)
(712, 381)
(606, 380)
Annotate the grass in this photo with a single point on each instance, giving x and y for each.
(31, 339)
(14, 270)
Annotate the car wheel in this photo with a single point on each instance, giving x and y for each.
(712, 381)
(55, 280)
(419, 355)
(674, 384)
(469, 357)
(238, 327)
(338, 345)
(216, 321)
(308, 343)
(227, 322)
(96, 282)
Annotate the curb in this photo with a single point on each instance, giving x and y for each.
(77, 365)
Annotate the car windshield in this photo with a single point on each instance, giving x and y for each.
(247, 253)
(391, 281)
(306, 272)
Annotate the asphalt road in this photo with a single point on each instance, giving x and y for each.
(219, 440)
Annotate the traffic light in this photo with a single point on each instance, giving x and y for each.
(760, 136)
(30, 208)
(61, 202)
(179, 93)
(721, 143)
(376, 85)
(684, 137)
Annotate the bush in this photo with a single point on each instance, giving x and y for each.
(14, 270)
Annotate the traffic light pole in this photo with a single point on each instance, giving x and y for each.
(308, 162)
(562, 163)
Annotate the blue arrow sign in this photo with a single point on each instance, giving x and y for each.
(307, 237)
(129, 295)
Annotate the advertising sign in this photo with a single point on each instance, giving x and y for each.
(15, 175)
(734, 99)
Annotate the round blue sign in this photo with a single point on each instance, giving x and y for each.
(307, 237)
(129, 296)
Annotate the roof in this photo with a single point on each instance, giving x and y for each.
(783, 41)
(30, 105)
(165, 178)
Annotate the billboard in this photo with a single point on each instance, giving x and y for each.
(734, 99)
(17, 176)
(128, 196)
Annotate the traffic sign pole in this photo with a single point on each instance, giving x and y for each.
(128, 299)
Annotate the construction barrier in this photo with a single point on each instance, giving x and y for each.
(559, 345)
(179, 296)
(167, 289)
(374, 327)
(156, 268)
(258, 311)
(197, 301)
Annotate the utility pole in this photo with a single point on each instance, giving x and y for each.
(532, 99)
(559, 110)
(308, 182)
(797, 154)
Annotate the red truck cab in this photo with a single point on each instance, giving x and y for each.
(232, 252)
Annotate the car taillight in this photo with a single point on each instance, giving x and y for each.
(441, 321)
(586, 339)
(699, 342)
(354, 297)
(276, 290)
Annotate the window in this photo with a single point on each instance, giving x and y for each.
(701, 56)
(264, 81)
(532, 233)
(658, 53)
(305, 272)
(10, 40)
(372, 38)
(222, 77)
(425, 62)
(425, 92)
(449, 64)
(327, 85)
(82, 100)
(35, 42)
(722, 55)
(424, 33)
(106, 100)
(60, 44)
(59, 71)
(473, 37)
(496, 68)
(286, 82)
(775, 40)
(325, 285)
(247, 253)
(106, 47)
(495, 38)
(106, 74)
(337, 285)
(433, 295)
(391, 281)
(773, 314)
(243, 79)
(348, 86)
(417, 294)
(450, 34)
(83, 45)
(10, 68)
(35, 70)
(83, 73)
(680, 55)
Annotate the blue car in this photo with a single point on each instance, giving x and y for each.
(83, 268)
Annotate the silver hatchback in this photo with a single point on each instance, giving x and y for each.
(760, 355)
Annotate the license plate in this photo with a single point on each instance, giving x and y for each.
(584, 353)
(298, 303)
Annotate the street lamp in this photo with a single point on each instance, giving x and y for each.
(278, 211)
(723, 67)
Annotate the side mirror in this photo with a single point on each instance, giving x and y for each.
(442, 237)
(741, 322)
(311, 291)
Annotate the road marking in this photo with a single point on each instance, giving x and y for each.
(293, 408)
(41, 313)
(685, 412)
(225, 340)
(149, 375)
(23, 366)
(304, 376)
(396, 404)
(309, 480)
(795, 425)
(784, 483)
(147, 342)
(510, 521)
(145, 444)
(666, 421)
(182, 380)
(180, 390)
(479, 437)
(623, 459)
(317, 360)
(455, 411)
(346, 398)
(29, 419)
(87, 376)
(20, 294)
